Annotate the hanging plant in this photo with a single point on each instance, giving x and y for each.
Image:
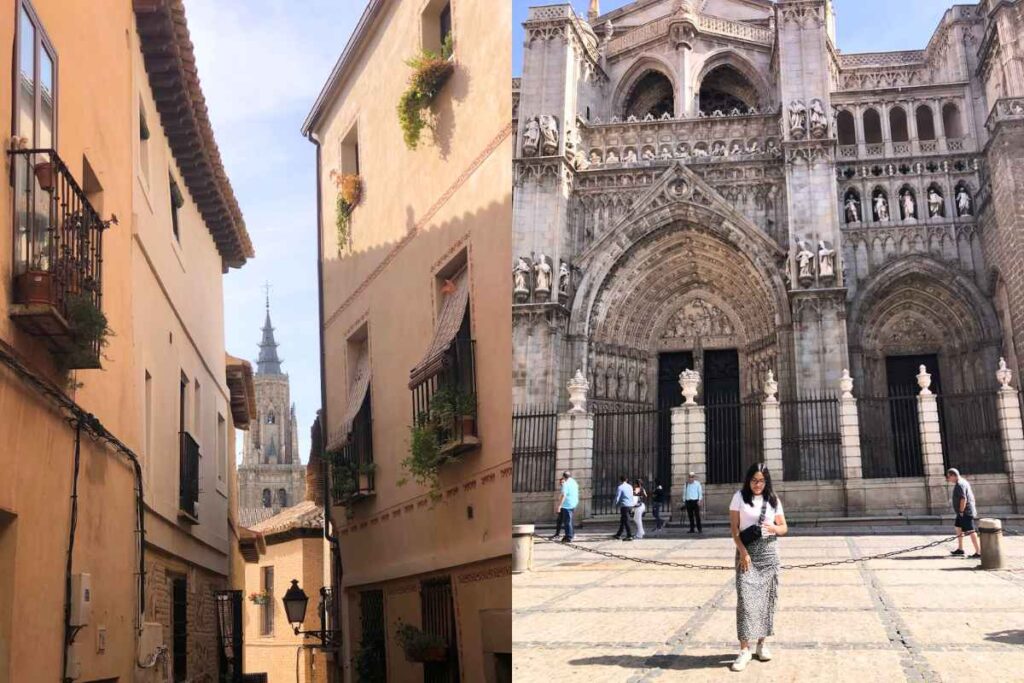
(347, 480)
(350, 191)
(90, 333)
(451, 417)
(430, 71)
(259, 597)
(420, 646)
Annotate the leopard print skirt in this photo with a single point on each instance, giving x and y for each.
(757, 590)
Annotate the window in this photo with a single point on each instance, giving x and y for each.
(271, 418)
(143, 144)
(282, 498)
(951, 121)
(266, 498)
(651, 94)
(350, 151)
(197, 414)
(898, 125)
(445, 22)
(724, 89)
(437, 25)
(147, 427)
(179, 627)
(35, 92)
(222, 449)
(872, 127)
(847, 130)
(267, 608)
(182, 403)
(373, 640)
(177, 201)
(925, 123)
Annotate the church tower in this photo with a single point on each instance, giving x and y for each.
(271, 476)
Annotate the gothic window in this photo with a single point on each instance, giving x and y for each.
(846, 128)
(951, 121)
(282, 498)
(271, 418)
(653, 95)
(725, 89)
(925, 123)
(872, 126)
(898, 125)
(267, 502)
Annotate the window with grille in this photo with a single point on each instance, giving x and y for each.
(438, 613)
(267, 608)
(179, 627)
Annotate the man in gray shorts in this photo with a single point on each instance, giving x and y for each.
(963, 506)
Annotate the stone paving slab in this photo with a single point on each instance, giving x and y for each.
(931, 618)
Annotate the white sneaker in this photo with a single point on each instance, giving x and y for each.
(763, 653)
(741, 662)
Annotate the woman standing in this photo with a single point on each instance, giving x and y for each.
(640, 494)
(757, 520)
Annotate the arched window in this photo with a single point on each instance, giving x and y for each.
(846, 128)
(872, 126)
(282, 498)
(266, 498)
(951, 122)
(725, 89)
(898, 125)
(652, 94)
(271, 418)
(925, 123)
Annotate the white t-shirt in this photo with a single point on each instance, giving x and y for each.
(749, 514)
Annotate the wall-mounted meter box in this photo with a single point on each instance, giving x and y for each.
(81, 599)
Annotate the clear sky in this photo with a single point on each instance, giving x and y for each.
(861, 25)
(262, 63)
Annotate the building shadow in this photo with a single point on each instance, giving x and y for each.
(1009, 636)
(662, 662)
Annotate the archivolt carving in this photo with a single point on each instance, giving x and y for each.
(698, 319)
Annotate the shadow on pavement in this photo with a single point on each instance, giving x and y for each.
(664, 662)
(1010, 637)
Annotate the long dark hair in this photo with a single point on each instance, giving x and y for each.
(748, 493)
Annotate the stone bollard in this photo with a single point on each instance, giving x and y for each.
(522, 548)
(991, 537)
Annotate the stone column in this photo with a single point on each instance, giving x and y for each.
(688, 433)
(849, 435)
(574, 442)
(858, 127)
(680, 462)
(931, 445)
(771, 426)
(1012, 429)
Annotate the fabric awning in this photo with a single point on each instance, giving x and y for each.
(356, 395)
(453, 309)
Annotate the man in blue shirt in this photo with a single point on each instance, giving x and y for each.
(625, 501)
(570, 499)
(693, 497)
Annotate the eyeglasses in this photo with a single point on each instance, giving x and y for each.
(757, 481)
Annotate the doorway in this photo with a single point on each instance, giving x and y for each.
(670, 395)
(725, 416)
(905, 426)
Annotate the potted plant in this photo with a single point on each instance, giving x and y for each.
(259, 597)
(420, 646)
(35, 285)
(350, 191)
(90, 332)
(44, 172)
(455, 409)
(430, 71)
(425, 456)
(350, 481)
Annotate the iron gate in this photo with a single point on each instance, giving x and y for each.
(626, 442)
(734, 438)
(371, 661)
(438, 611)
(971, 439)
(229, 634)
(811, 441)
(890, 436)
(533, 450)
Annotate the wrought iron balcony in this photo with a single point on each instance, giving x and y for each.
(58, 256)
(449, 398)
(188, 482)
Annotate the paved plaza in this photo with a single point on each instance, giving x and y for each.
(923, 616)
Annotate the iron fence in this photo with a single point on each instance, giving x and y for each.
(534, 433)
(626, 442)
(971, 439)
(188, 473)
(890, 436)
(811, 440)
(734, 438)
(457, 376)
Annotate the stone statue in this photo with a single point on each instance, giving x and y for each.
(520, 277)
(772, 148)
(612, 387)
(571, 139)
(881, 207)
(804, 262)
(935, 204)
(648, 154)
(543, 275)
(963, 202)
(826, 261)
(700, 150)
(630, 157)
(718, 148)
(736, 150)
(595, 156)
(908, 204)
(797, 119)
(563, 279)
(613, 157)
(683, 150)
(642, 387)
(531, 137)
(754, 147)
(609, 30)
(852, 209)
(666, 152)
(819, 121)
(549, 135)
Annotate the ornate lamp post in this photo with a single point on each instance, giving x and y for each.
(295, 602)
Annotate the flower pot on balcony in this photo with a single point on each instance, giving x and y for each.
(467, 425)
(34, 287)
(44, 175)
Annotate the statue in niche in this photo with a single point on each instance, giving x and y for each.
(852, 209)
(683, 150)
(772, 148)
(648, 154)
(612, 386)
(754, 147)
(630, 157)
(797, 119)
(736, 150)
(908, 205)
(700, 150)
(666, 152)
(613, 157)
(531, 137)
(549, 135)
(718, 148)
(599, 381)
(936, 205)
(698, 319)
(881, 205)
(595, 156)
(623, 387)
(543, 275)
(631, 390)
(804, 262)
(826, 261)
(964, 205)
(521, 277)
(642, 386)
(819, 121)
(571, 140)
(563, 279)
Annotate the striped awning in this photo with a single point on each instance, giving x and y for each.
(356, 395)
(453, 310)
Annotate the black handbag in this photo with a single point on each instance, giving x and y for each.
(753, 532)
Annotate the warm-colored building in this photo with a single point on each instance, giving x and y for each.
(414, 287)
(104, 439)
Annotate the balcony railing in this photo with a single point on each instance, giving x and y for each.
(457, 377)
(58, 252)
(188, 483)
(352, 466)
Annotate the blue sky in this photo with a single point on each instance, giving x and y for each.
(861, 25)
(262, 63)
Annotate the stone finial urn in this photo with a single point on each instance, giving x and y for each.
(1004, 375)
(689, 380)
(846, 384)
(578, 387)
(771, 388)
(924, 380)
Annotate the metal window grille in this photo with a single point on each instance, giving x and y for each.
(371, 662)
(267, 609)
(438, 610)
(188, 483)
(179, 624)
(229, 634)
(533, 450)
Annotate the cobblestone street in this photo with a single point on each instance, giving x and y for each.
(922, 616)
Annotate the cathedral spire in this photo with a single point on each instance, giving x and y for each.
(268, 363)
(595, 10)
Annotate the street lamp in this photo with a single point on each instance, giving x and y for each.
(295, 602)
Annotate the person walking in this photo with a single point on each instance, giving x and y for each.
(640, 506)
(570, 499)
(658, 498)
(756, 520)
(692, 499)
(963, 506)
(624, 501)
(560, 520)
